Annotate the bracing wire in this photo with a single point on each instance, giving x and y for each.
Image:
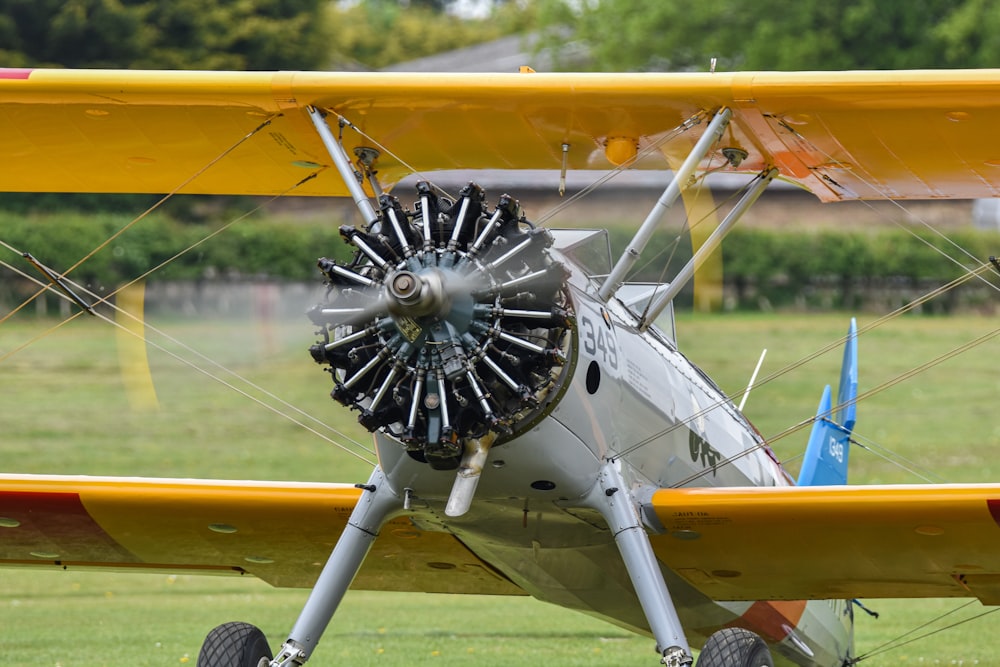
(611, 174)
(900, 461)
(687, 124)
(861, 397)
(902, 208)
(896, 643)
(190, 350)
(836, 343)
(982, 267)
(162, 200)
(239, 142)
(204, 371)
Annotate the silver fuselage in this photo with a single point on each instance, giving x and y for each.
(634, 397)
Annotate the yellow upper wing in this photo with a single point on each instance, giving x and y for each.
(923, 134)
(281, 532)
(834, 542)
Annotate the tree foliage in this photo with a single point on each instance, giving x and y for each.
(164, 34)
(378, 33)
(660, 35)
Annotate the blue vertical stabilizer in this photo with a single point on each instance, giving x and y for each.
(826, 454)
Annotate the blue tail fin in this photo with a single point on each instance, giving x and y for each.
(826, 454)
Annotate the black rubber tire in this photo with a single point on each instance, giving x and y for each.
(234, 644)
(735, 647)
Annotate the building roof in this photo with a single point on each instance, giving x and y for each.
(506, 54)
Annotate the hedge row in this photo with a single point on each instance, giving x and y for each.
(250, 248)
(828, 269)
(777, 266)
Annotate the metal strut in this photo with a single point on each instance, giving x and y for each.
(711, 243)
(343, 163)
(374, 506)
(681, 177)
(611, 497)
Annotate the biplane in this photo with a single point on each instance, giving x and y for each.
(538, 430)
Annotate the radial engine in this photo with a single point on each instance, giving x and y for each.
(450, 323)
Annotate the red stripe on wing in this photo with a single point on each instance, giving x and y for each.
(994, 506)
(15, 72)
(53, 527)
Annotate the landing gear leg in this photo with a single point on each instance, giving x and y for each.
(373, 507)
(612, 498)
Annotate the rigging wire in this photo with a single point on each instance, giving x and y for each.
(968, 274)
(211, 163)
(689, 227)
(187, 362)
(267, 121)
(345, 122)
(613, 173)
(687, 124)
(896, 643)
(861, 396)
(896, 459)
(871, 184)
(190, 350)
(541, 220)
(836, 343)
(899, 378)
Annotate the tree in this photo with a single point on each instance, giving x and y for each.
(644, 35)
(378, 33)
(168, 34)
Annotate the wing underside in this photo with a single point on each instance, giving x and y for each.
(833, 542)
(282, 533)
(841, 135)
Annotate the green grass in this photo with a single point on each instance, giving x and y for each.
(65, 410)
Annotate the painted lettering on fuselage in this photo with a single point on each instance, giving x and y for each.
(701, 450)
(598, 339)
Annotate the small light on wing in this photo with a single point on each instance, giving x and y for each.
(259, 560)
(222, 528)
(619, 150)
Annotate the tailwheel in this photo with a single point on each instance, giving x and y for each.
(735, 647)
(235, 644)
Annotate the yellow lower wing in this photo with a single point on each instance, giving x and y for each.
(834, 542)
(281, 532)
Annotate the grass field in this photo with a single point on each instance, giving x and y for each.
(66, 410)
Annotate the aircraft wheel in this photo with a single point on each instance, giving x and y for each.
(735, 647)
(235, 644)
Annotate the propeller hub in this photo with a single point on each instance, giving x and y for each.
(418, 294)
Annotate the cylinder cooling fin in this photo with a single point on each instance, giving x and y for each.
(450, 322)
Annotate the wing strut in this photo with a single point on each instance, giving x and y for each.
(687, 272)
(343, 163)
(666, 200)
(367, 518)
(613, 498)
